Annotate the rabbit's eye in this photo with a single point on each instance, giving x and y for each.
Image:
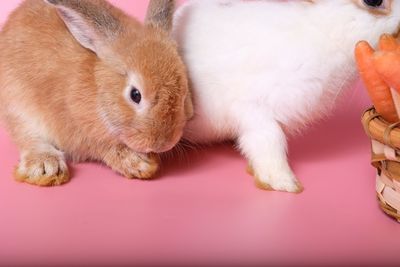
(373, 3)
(136, 96)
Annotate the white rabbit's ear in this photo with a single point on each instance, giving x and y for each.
(92, 23)
(160, 14)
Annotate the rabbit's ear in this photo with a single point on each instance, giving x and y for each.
(189, 109)
(93, 23)
(160, 14)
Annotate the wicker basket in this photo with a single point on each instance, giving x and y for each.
(385, 139)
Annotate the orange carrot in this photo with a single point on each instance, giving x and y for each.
(388, 66)
(388, 43)
(378, 90)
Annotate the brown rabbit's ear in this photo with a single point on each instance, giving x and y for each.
(160, 14)
(189, 109)
(93, 23)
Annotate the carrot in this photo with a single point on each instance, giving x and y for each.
(396, 100)
(387, 64)
(378, 90)
(388, 43)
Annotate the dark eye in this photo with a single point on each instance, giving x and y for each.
(373, 3)
(136, 96)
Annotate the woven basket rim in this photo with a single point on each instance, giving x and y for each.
(380, 130)
(386, 208)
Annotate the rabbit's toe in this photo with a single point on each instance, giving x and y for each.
(281, 181)
(131, 164)
(42, 169)
(145, 167)
(291, 186)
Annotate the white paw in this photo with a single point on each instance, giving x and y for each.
(43, 169)
(279, 181)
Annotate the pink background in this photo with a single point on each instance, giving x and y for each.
(205, 209)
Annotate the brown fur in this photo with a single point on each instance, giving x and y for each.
(41, 162)
(45, 181)
(48, 77)
(160, 17)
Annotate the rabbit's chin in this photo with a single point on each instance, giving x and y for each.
(148, 146)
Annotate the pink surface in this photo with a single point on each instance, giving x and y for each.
(205, 209)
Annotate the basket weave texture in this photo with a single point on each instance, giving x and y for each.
(385, 147)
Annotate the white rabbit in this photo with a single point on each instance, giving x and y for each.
(262, 69)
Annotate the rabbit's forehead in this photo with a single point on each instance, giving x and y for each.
(149, 87)
(157, 76)
(135, 80)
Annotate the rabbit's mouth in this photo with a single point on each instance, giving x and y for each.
(166, 148)
(154, 150)
(146, 145)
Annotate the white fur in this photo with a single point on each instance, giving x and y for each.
(258, 68)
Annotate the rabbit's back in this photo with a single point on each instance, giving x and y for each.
(290, 58)
(43, 71)
(36, 49)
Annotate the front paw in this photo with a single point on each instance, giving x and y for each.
(42, 169)
(282, 180)
(142, 166)
(131, 164)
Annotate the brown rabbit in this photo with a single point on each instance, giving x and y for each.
(83, 80)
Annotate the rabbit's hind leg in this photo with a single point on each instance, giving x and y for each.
(263, 142)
